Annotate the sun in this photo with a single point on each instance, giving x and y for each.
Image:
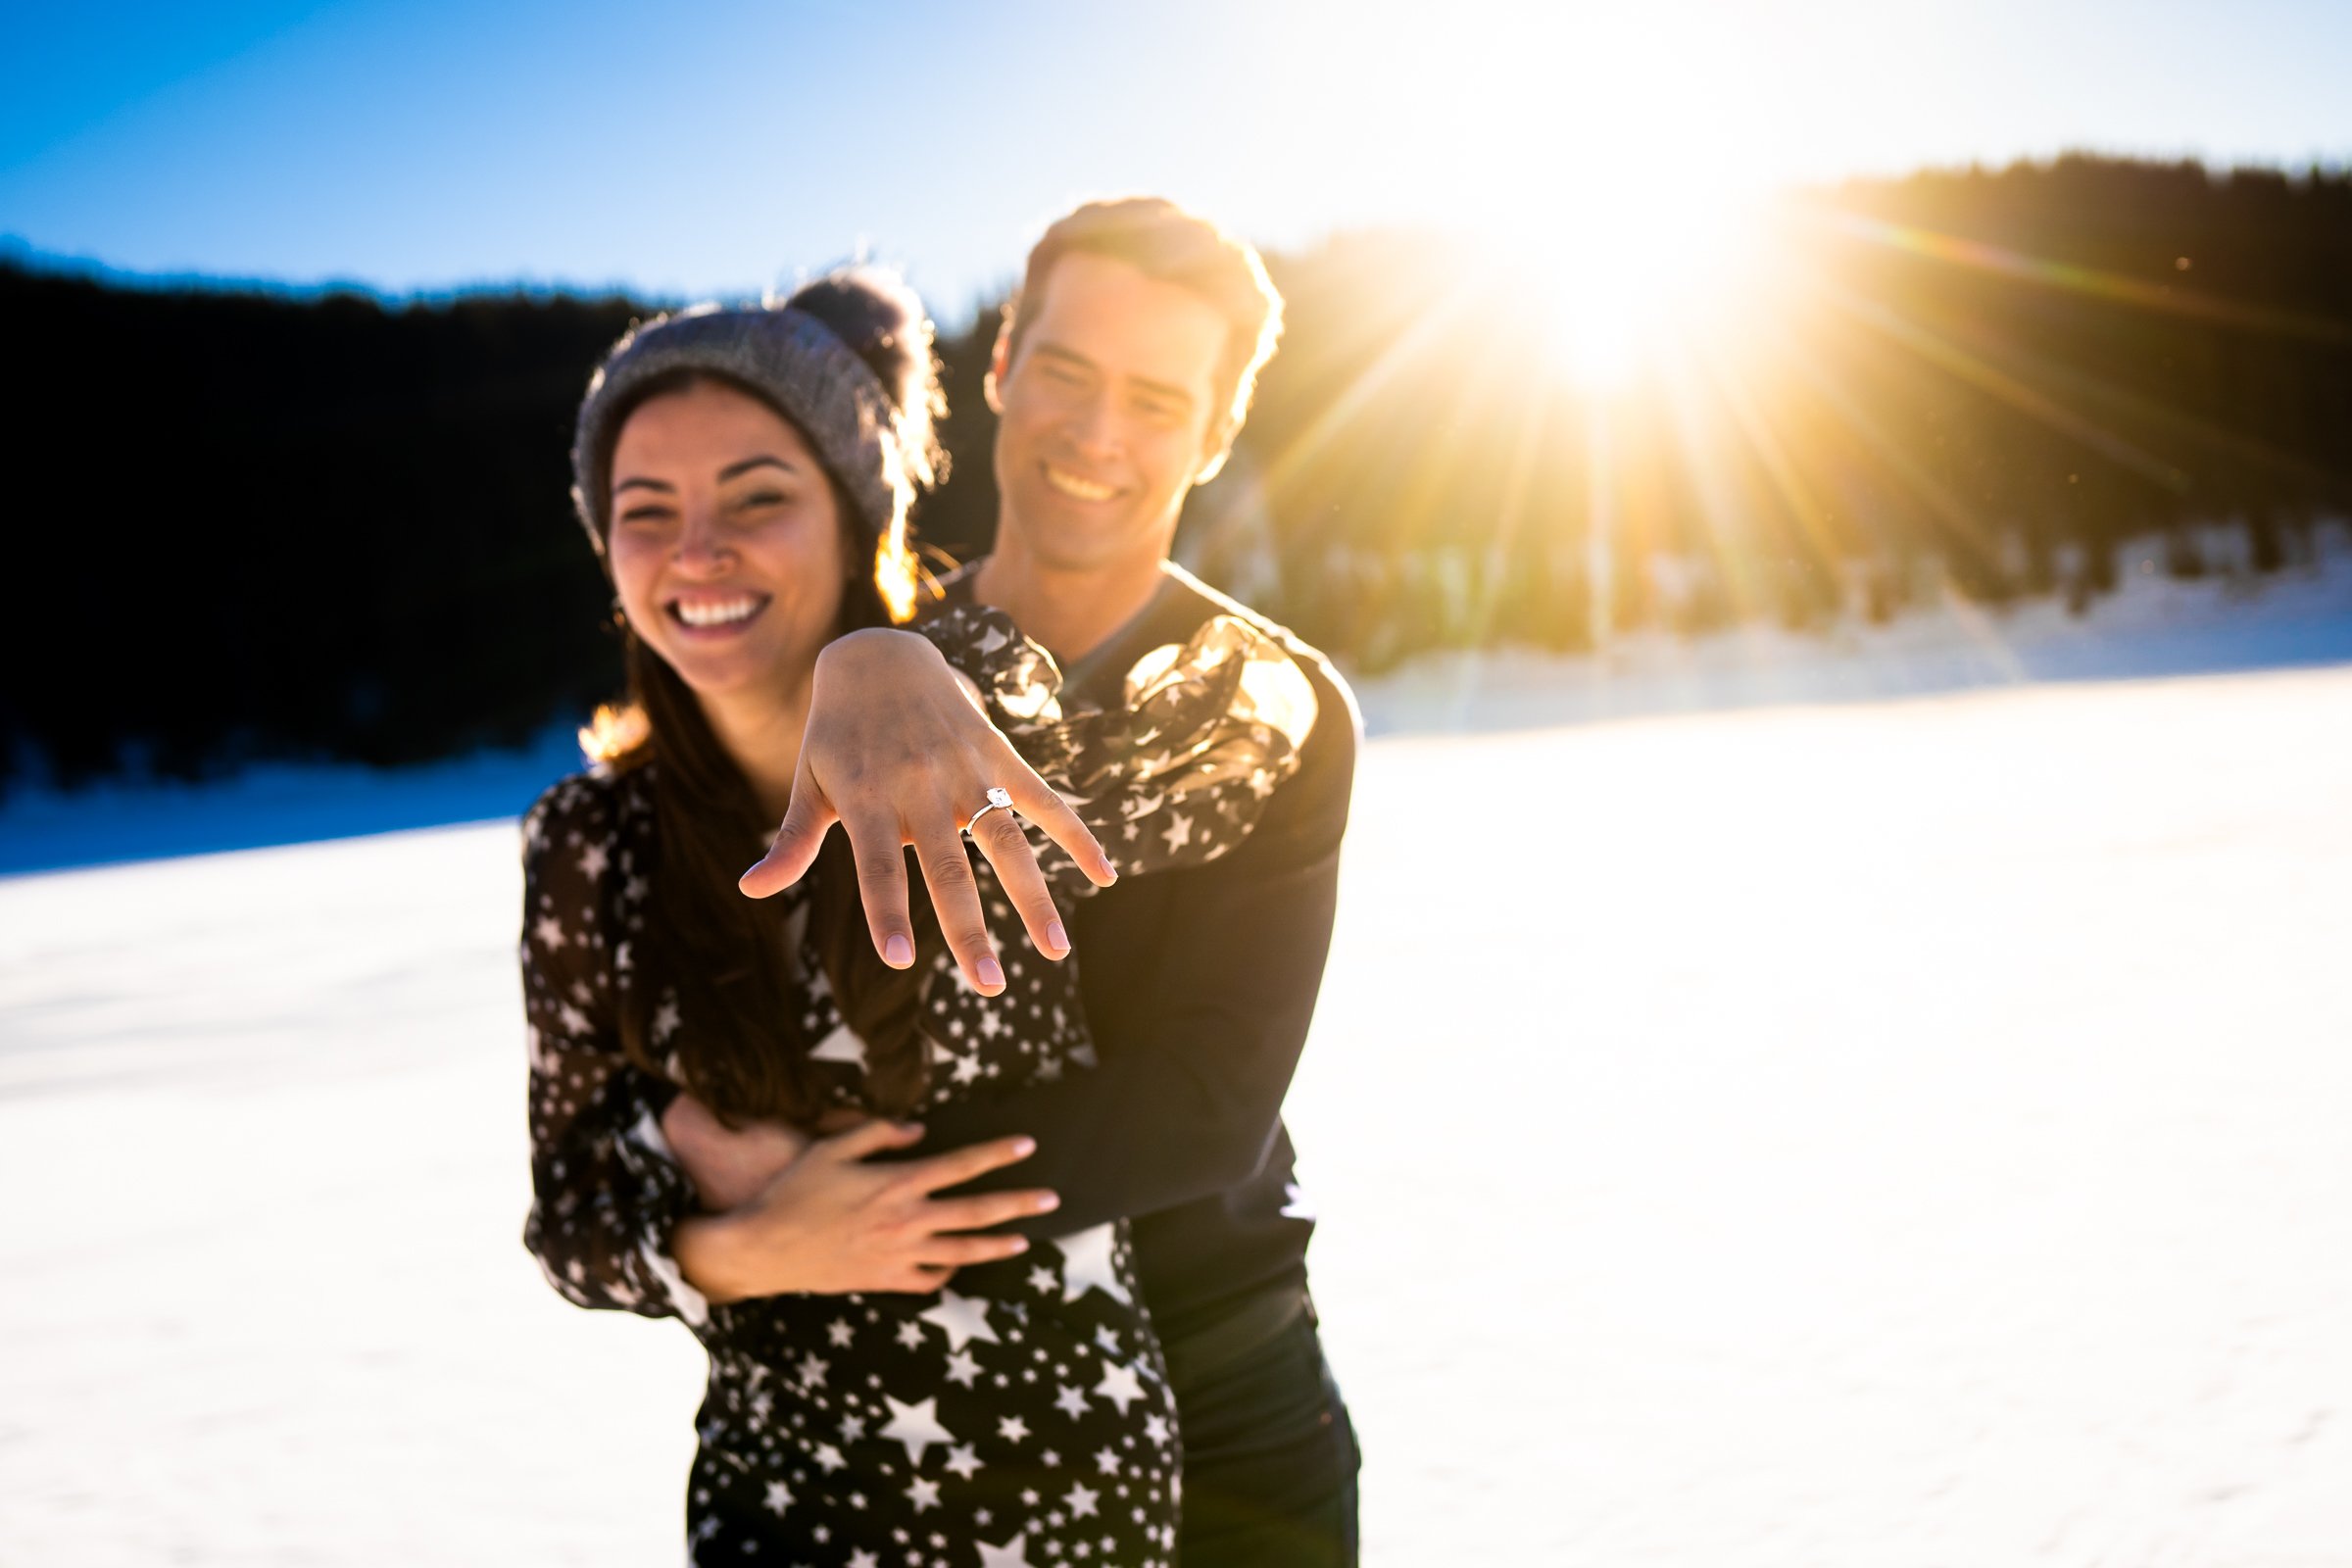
(1620, 170)
(1626, 269)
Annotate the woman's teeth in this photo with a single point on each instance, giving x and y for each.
(1069, 484)
(723, 613)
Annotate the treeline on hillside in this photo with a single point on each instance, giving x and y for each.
(1984, 382)
(250, 527)
(254, 526)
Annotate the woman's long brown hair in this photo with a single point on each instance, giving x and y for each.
(729, 961)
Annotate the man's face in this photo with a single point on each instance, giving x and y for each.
(1110, 415)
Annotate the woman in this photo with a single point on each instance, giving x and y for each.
(738, 471)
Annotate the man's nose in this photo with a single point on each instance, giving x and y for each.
(1096, 428)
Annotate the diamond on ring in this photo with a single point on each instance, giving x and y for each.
(999, 799)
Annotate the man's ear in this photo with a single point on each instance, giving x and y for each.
(1219, 447)
(1000, 361)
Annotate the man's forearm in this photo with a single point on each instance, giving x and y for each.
(1186, 1101)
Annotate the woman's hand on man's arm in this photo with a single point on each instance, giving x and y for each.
(832, 1221)
(898, 753)
(728, 1165)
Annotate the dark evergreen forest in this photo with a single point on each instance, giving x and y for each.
(257, 526)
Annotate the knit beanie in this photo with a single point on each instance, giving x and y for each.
(788, 356)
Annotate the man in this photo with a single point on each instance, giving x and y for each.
(1121, 376)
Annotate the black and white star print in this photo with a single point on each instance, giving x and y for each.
(1022, 1415)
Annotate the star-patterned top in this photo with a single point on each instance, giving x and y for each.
(1020, 1415)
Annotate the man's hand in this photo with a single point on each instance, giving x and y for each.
(900, 753)
(728, 1165)
(833, 1222)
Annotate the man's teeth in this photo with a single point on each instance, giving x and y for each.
(1069, 484)
(718, 614)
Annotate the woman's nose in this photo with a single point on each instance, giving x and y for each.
(702, 545)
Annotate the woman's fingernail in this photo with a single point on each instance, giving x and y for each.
(992, 973)
(1024, 1147)
(1109, 870)
(1020, 1244)
(1057, 937)
(898, 952)
(1047, 1203)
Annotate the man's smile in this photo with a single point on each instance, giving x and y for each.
(1077, 488)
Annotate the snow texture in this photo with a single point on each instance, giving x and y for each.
(2152, 625)
(1881, 1132)
(1870, 1134)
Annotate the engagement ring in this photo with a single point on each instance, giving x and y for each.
(998, 798)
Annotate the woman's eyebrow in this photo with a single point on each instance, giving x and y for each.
(732, 469)
(634, 483)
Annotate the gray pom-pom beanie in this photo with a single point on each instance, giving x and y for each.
(790, 358)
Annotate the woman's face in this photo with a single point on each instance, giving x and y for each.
(726, 541)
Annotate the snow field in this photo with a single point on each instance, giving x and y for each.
(1890, 1133)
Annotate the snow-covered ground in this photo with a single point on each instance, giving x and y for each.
(2151, 625)
(1880, 1133)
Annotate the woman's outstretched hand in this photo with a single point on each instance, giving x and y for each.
(831, 1221)
(899, 751)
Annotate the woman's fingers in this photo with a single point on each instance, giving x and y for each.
(803, 833)
(959, 1165)
(956, 900)
(1006, 847)
(873, 1138)
(984, 1209)
(1035, 799)
(966, 1251)
(1000, 836)
(882, 890)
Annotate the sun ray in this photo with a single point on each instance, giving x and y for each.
(1973, 370)
(1931, 492)
(1336, 412)
(1600, 523)
(2095, 389)
(1518, 483)
(1697, 438)
(2168, 298)
(1807, 507)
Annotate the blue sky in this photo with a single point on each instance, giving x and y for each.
(721, 148)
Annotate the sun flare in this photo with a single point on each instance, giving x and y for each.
(1625, 271)
(1623, 194)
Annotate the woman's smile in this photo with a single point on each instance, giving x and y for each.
(707, 615)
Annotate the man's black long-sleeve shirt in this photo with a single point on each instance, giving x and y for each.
(1198, 986)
